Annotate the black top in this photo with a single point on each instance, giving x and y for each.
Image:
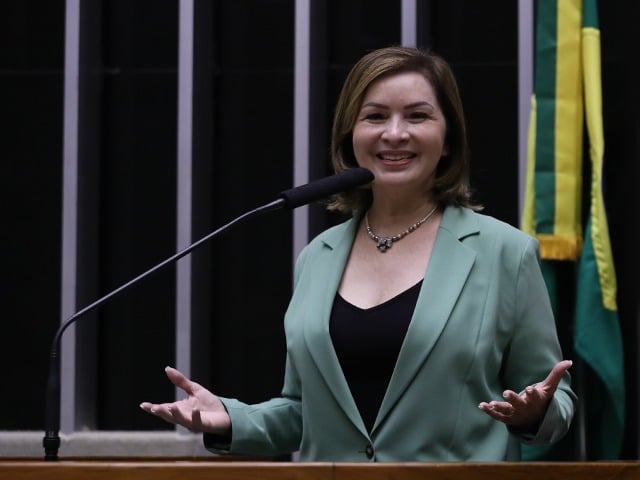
(367, 343)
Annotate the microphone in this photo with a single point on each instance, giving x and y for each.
(326, 187)
(290, 199)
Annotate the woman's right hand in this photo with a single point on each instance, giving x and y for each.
(201, 411)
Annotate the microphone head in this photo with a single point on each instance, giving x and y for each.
(325, 187)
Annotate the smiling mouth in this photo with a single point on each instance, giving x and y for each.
(395, 157)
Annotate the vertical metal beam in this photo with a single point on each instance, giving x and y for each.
(525, 90)
(409, 27)
(184, 187)
(301, 118)
(68, 300)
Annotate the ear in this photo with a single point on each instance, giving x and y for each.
(445, 150)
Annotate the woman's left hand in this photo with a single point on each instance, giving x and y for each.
(525, 411)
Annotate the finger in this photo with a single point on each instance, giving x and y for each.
(155, 408)
(196, 420)
(179, 380)
(556, 374)
(536, 393)
(504, 409)
(514, 398)
(161, 410)
(485, 407)
(181, 416)
(500, 417)
(498, 410)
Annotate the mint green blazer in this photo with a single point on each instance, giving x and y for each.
(482, 324)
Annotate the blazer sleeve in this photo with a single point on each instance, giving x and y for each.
(270, 428)
(535, 348)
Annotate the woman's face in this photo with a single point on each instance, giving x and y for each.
(400, 131)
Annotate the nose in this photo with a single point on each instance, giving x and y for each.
(395, 130)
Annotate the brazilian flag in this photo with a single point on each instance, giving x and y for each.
(568, 96)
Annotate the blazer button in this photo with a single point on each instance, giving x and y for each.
(369, 451)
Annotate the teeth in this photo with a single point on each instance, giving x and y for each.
(394, 157)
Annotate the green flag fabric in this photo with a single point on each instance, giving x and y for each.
(568, 43)
(553, 205)
(597, 338)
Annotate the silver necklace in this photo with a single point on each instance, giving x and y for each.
(384, 243)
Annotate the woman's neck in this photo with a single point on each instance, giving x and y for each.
(397, 203)
(386, 215)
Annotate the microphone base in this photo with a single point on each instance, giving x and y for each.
(51, 444)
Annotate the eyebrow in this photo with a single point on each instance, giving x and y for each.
(406, 107)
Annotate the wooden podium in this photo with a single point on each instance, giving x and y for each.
(223, 470)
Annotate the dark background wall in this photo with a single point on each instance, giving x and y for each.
(31, 85)
(621, 96)
(243, 136)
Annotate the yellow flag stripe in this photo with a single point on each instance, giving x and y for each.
(600, 229)
(528, 213)
(568, 136)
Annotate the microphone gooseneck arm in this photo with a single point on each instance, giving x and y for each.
(51, 440)
(288, 199)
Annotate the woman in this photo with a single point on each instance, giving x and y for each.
(419, 330)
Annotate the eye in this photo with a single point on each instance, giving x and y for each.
(418, 116)
(374, 116)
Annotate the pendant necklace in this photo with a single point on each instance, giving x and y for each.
(384, 243)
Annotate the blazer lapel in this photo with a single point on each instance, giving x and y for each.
(328, 267)
(447, 272)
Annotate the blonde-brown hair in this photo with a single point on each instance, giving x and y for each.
(451, 184)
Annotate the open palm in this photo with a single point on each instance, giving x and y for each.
(201, 411)
(524, 411)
